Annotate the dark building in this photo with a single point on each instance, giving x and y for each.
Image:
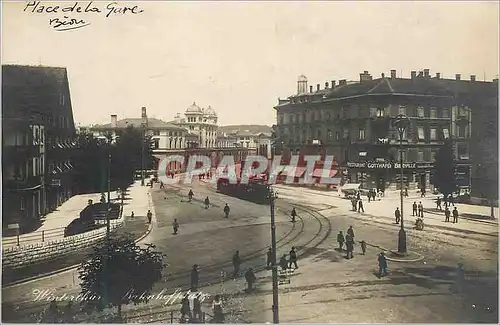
(353, 122)
(38, 135)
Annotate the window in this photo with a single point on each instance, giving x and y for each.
(156, 143)
(446, 133)
(337, 135)
(462, 152)
(330, 134)
(157, 133)
(433, 112)
(420, 155)
(346, 134)
(445, 113)
(401, 109)
(420, 112)
(380, 112)
(421, 134)
(433, 134)
(361, 135)
(462, 111)
(461, 131)
(433, 155)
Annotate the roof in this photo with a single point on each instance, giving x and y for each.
(246, 129)
(419, 86)
(153, 123)
(210, 111)
(194, 109)
(34, 89)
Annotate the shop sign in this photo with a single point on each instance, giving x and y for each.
(388, 165)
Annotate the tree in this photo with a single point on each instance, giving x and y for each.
(87, 169)
(444, 171)
(120, 273)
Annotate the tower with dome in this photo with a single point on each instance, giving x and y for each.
(201, 124)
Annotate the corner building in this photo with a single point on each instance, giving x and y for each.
(353, 122)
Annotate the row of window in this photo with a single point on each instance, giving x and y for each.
(193, 119)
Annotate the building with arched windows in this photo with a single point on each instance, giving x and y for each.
(201, 124)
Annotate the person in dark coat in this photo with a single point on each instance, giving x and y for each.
(293, 259)
(283, 262)
(195, 278)
(382, 264)
(207, 203)
(354, 203)
(420, 209)
(236, 264)
(438, 203)
(397, 214)
(190, 195)
(349, 243)
(185, 308)
(217, 310)
(150, 216)
(360, 207)
(455, 215)
(447, 214)
(340, 240)
(350, 232)
(250, 278)
(226, 210)
(197, 312)
(363, 247)
(269, 260)
(415, 209)
(175, 225)
(293, 214)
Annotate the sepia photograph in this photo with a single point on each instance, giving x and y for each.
(250, 161)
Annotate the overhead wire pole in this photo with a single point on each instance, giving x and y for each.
(272, 198)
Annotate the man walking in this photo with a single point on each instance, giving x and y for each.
(438, 203)
(293, 214)
(226, 210)
(150, 216)
(397, 214)
(420, 209)
(190, 195)
(350, 232)
(269, 261)
(447, 214)
(382, 264)
(293, 259)
(236, 264)
(207, 203)
(175, 225)
(360, 208)
(340, 240)
(349, 243)
(415, 209)
(195, 278)
(455, 215)
(250, 277)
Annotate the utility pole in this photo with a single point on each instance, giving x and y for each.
(272, 198)
(142, 155)
(109, 198)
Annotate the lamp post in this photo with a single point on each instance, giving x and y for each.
(401, 123)
(142, 152)
(272, 198)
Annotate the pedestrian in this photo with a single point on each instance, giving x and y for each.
(382, 264)
(358, 196)
(207, 202)
(455, 215)
(132, 215)
(185, 308)
(293, 214)
(354, 203)
(150, 216)
(447, 214)
(438, 203)
(269, 261)
(236, 264)
(363, 247)
(369, 195)
(190, 195)
(250, 278)
(420, 209)
(406, 191)
(217, 310)
(349, 243)
(195, 277)
(283, 262)
(226, 210)
(293, 259)
(161, 184)
(197, 312)
(422, 192)
(360, 208)
(175, 225)
(415, 208)
(350, 232)
(397, 214)
(340, 240)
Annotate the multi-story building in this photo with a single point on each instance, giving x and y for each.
(353, 122)
(201, 123)
(257, 137)
(38, 135)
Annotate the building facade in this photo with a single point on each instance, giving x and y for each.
(353, 121)
(38, 138)
(201, 124)
(256, 137)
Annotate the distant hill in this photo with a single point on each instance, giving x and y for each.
(245, 128)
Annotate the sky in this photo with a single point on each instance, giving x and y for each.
(240, 57)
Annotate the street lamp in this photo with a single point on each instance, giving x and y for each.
(272, 198)
(143, 136)
(401, 123)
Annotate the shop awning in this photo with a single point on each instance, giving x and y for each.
(352, 186)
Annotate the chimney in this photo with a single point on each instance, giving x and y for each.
(365, 76)
(426, 73)
(333, 84)
(382, 75)
(473, 77)
(365, 72)
(310, 89)
(393, 74)
(144, 116)
(326, 85)
(438, 75)
(413, 74)
(342, 82)
(317, 87)
(457, 76)
(114, 120)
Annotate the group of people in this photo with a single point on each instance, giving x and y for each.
(348, 240)
(418, 209)
(357, 203)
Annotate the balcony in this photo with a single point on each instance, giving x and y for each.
(25, 184)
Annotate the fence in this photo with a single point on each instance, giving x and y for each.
(19, 256)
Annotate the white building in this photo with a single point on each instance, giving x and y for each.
(257, 137)
(202, 126)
